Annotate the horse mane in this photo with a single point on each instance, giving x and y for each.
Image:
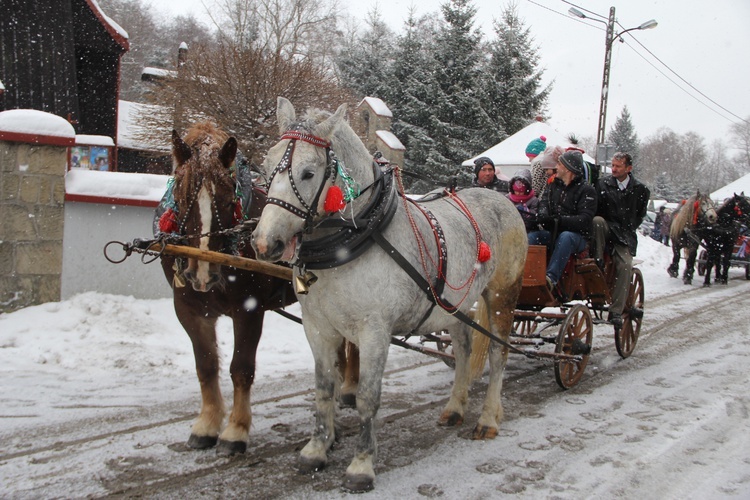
(349, 148)
(683, 217)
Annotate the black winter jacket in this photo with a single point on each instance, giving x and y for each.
(623, 210)
(573, 206)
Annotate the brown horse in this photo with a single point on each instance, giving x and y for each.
(210, 194)
(688, 222)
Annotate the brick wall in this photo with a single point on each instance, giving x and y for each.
(32, 195)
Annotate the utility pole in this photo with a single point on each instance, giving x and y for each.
(605, 83)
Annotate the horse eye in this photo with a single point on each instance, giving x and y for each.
(307, 175)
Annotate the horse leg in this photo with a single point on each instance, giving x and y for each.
(501, 305)
(348, 355)
(453, 413)
(674, 267)
(709, 265)
(248, 327)
(324, 348)
(205, 431)
(373, 343)
(725, 262)
(687, 275)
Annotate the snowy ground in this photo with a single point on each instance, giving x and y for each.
(98, 393)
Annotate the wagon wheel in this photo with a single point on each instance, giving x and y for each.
(575, 338)
(702, 258)
(627, 336)
(524, 327)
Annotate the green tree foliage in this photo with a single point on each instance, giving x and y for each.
(624, 137)
(512, 78)
(364, 63)
(460, 125)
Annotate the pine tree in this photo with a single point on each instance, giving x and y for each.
(460, 125)
(513, 82)
(623, 136)
(363, 61)
(411, 96)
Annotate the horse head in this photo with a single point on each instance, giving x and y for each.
(740, 206)
(307, 178)
(205, 196)
(705, 209)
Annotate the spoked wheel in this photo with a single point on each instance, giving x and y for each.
(702, 258)
(524, 327)
(575, 338)
(627, 336)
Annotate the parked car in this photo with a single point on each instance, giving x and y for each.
(647, 226)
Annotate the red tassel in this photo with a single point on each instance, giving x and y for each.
(484, 252)
(237, 217)
(334, 200)
(168, 222)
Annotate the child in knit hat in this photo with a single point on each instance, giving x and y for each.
(523, 197)
(535, 147)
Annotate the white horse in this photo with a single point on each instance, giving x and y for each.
(362, 293)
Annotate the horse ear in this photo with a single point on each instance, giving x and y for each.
(228, 152)
(326, 128)
(285, 114)
(180, 150)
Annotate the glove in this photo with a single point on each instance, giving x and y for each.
(546, 222)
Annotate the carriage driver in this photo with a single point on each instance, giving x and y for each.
(566, 210)
(622, 204)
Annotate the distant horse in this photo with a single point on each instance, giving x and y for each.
(687, 223)
(719, 239)
(211, 193)
(384, 266)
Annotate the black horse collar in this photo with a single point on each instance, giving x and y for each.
(354, 235)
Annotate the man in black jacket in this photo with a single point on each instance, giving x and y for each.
(484, 176)
(566, 212)
(622, 202)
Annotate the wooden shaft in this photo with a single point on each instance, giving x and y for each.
(223, 259)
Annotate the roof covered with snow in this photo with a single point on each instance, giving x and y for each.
(121, 185)
(739, 186)
(390, 140)
(378, 106)
(512, 151)
(129, 127)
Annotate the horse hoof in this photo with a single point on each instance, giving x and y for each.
(450, 419)
(229, 448)
(672, 274)
(202, 442)
(309, 465)
(358, 483)
(348, 401)
(687, 281)
(484, 432)
(706, 285)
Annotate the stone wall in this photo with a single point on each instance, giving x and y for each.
(32, 196)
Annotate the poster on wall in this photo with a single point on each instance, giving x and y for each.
(90, 157)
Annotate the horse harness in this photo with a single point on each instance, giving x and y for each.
(359, 233)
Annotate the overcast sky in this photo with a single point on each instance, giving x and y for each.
(704, 43)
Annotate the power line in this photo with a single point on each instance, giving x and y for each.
(649, 62)
(681, 88)
(678, 76)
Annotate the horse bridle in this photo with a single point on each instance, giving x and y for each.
(310, 210)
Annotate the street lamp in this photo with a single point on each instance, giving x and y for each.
(611, 37)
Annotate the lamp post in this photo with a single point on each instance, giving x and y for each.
(611, 37)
